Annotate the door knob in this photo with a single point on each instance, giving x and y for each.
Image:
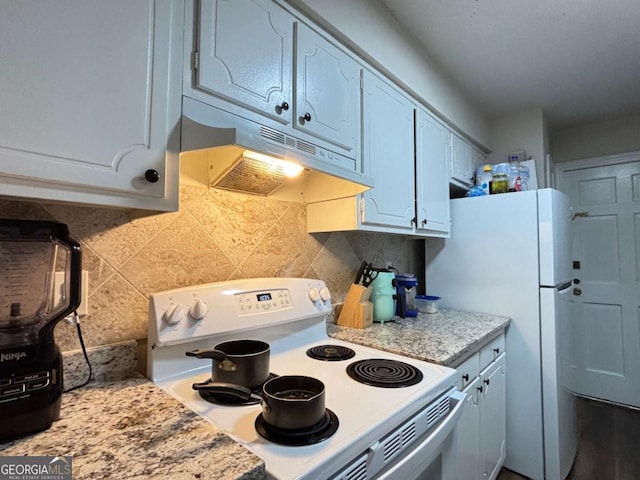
(577, 291)
(151, 176)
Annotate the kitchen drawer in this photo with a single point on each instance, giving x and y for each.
(491, 351)
(468, 370)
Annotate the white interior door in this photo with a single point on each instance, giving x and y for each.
(605, 248)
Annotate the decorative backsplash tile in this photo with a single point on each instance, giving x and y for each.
(216, 235)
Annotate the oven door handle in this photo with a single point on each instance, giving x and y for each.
(422, 455)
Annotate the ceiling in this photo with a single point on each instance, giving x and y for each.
(578, 60)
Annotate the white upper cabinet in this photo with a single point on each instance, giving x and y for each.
(257, 60)
(245, 55)
(465, 158)
(407, 156)
(327, 90)
(388, 155)
(91, 101)
(432, 184)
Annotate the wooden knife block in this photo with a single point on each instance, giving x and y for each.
(357, 310)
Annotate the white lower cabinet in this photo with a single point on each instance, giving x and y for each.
(482, 428)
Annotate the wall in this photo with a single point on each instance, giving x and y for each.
(215, 236)
(605, 138)
(520, 131)
(373, 33)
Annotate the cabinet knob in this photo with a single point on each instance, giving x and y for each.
(465, 377)
(414, 221)
(307, 117)
(481, 389)
(497, 350)
(486, 381)
(151, 175)
(424, 222)
(284, 106)
(577, 292)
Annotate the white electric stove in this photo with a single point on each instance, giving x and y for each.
(405, 427)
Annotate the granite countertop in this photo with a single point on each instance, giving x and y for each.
(446, 337)
(123, 426)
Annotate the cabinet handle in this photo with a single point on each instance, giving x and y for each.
(307, 117)
(481, 389)
(284, 106)
(486, 380)
(424, 222)
(465, 377)
(497, 350)
(414, 221)
(151, 175)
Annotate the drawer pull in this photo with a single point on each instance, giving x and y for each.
(465, 377)
(497, 350)
(486, 380)
(481, 389)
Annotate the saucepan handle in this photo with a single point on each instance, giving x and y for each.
(231, 389)
(212, 354)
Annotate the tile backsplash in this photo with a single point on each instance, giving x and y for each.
(216, 235)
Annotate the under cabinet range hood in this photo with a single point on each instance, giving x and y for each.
(227, 151)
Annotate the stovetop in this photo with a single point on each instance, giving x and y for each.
(366, 413)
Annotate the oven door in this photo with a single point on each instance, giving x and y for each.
(434, 456)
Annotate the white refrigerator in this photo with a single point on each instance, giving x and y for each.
(509, 254)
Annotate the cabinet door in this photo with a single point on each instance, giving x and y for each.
(388, 154)
(477, 159)
(327, 91)
(90, 96)
(468, 434)
(245, 55)
(432, 181)
(493, 418)
(462, 169)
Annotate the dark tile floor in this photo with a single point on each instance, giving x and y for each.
(609, 446)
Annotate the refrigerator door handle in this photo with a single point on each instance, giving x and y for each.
(565, 285)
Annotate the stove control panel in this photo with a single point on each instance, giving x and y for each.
(267, 300)
(184, 314)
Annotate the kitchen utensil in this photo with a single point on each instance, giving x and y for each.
(360, 272)
(288, 402)
(239, 362)
(427, 303)
(369, 275)
(40, 271)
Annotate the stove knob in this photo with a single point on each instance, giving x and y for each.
(198, 310)
(174, 314)
(325, 294)
(314, 295)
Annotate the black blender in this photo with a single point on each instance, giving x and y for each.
(40, 271)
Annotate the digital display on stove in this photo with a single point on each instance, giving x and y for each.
(264, 297)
